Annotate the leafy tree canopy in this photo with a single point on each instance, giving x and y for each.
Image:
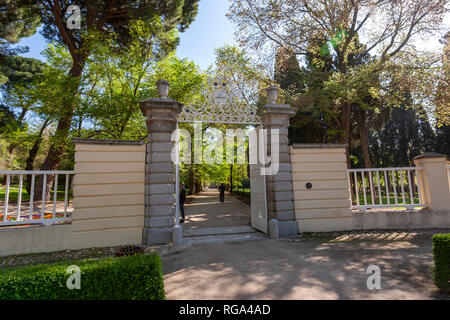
(18, 19)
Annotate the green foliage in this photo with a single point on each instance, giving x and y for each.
(186, 79)
(22, 71)
(23, 74)
(116, 84)
(137, 277)
(406, 135)
(350, 74)
(443, 140)
(6, 118)
(247, 79)
(6, 158)
(110, 23)
(441, 253)
(18, 19)
(114, 19)
(245, 192)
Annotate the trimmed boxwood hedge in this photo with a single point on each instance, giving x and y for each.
(441, 252)
(137, 277)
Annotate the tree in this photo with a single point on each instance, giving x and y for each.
(316, 91)
(304, 88)
(245, 77)
(443, 140)
(443, 97)
(443, 102)
(23, 74)
(245, 80)
(18, 19)
(121, 81)
(338, 32)
(103, 18)
(406, 135)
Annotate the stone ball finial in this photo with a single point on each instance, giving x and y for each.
(272, 94)
(163, 88)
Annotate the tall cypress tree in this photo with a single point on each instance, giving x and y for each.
(443, 140)
(407, 134)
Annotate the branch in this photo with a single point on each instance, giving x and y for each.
(410, 33)
(106, 16)
(67, 37)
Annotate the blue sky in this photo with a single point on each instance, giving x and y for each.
(210, 30)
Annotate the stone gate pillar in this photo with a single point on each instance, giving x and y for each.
(161, 117)
(279, 187)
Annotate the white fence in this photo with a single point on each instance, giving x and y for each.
(385, 188)
(26, 210)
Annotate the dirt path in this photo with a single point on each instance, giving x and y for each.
(204, 210)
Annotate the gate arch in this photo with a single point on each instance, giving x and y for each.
(219, 103)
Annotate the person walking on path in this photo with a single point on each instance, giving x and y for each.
(222, 193)
(182, 201)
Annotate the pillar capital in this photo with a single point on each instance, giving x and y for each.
(161, 114)
(277, 115)
(160, 103)
(168, 106)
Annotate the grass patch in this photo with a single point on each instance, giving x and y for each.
(245, 192)
(14, 194)
(384, 199)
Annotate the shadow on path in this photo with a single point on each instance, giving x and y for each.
(204, 210)
(280, 269)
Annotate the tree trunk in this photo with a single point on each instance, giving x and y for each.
(191, 179)
(345, 127)
(22, 116)
(363, 137)
(197, 186)
(11, 149)
(231, 178)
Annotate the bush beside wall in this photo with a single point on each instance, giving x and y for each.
(137, 277)
(441, 253)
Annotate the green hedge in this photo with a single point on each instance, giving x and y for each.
(441, 252)
(137, 277)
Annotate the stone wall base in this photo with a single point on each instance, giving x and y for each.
(153, 236)
(34, 239)
(424, 219)
(288, 228)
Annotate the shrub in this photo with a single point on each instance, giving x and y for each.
(128, 251)
(137, 277)
(441, 252)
